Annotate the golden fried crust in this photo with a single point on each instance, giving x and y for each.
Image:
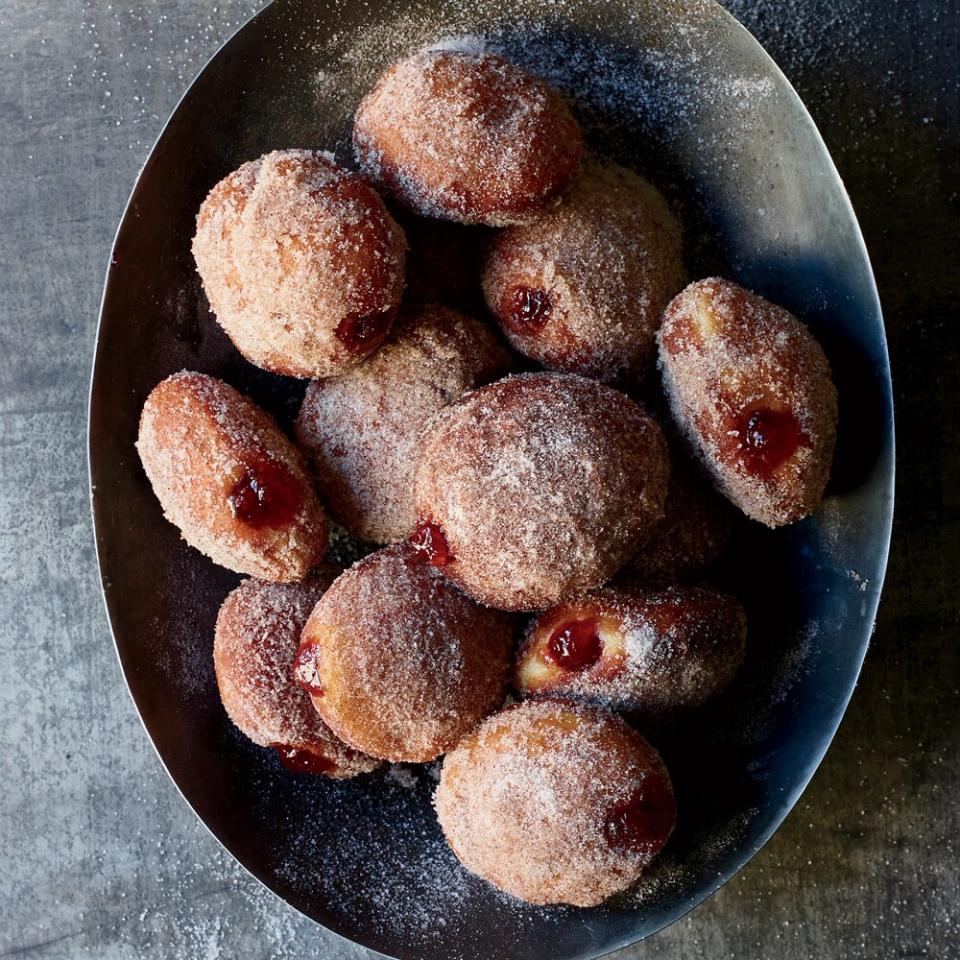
(407, 664)
(204, 447)
(257, 636)
(543, 485)
(654, 651)
(467, 137)
(301, 262)
(361, 430)
(534, 802)
(582, 288)
(750, 390)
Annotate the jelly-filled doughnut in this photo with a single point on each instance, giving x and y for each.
(301, 262)
(226, 475)
(467, 137)
(555, 802)
(537, 488)
(693, 533)
(650, 651)
(399, 663)
(256, 640)
(582, 288)
(361, 429)
(750, 389)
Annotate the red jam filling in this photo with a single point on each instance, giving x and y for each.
(430, 544)
(303, 761)
(267, 495)
(529, 310)
(360, 333)
(642, 823)
(306, 673)
(575, 645)
(767, 438)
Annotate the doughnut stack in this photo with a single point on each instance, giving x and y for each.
(532, 596)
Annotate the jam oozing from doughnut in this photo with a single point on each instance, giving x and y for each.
(267, 495)
(305, 672)
(431, 544)
(303, 761)
(768, 438)
(641, 823)
(529, 309)
(575, 645)
(360, 332)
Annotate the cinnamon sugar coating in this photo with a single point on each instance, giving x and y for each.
(543, 485)
(361, 430)
(534, 802)
(467, 137)
(301, 262)
(750, 389)
(229, 479)
(257, 635)
(406, 662)
(662, 650)
(695, 529)
(582, 288)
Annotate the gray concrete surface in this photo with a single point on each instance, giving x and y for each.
(100, 858)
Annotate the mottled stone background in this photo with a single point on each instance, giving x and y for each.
(99, 856)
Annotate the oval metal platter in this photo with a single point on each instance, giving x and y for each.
(679, 90)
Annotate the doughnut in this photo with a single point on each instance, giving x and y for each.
(467, 137)
(228, 478)
(693, 533)
(555, 802)
(652, 651)
(256, 640)
(750, 389)
(398, 662)
(361, 429)
(537, 488)
(301, 262)
(582, 288)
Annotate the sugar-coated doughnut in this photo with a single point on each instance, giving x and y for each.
(537, 488)
(750, 389)
(301, 262)
(361, 429)
(653, 651)
(556, 802)
(256, 640)
(399, 662)
(468, 137)
(226, 475)
(582, 288)
(695, 529)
